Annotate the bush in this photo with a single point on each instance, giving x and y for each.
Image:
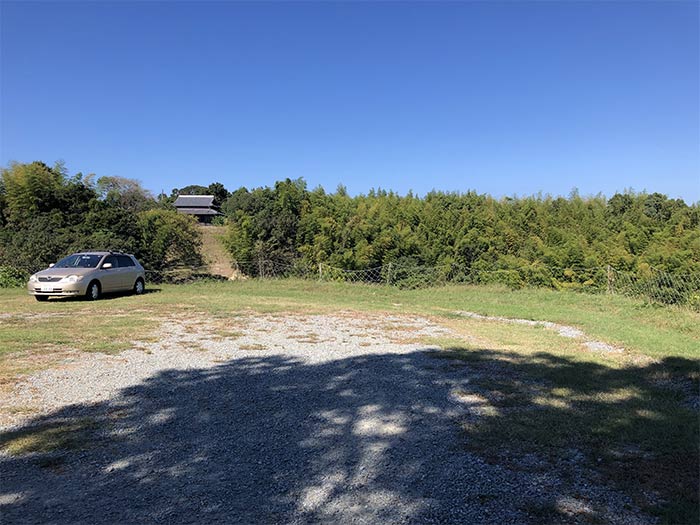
(170, 241)
(694, 302)
(11, 277)
(510, 278)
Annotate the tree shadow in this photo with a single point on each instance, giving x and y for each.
(635, 426)
(379, 438)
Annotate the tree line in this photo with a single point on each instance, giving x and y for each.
(536, 240)
(46, 214)
(560, 242)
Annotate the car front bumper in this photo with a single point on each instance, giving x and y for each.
(57, 289)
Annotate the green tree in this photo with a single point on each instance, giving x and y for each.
(168, 240)
(219, 192)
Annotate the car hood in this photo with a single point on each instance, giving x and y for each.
(62, 272)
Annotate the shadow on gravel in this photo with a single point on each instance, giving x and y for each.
(371, 439)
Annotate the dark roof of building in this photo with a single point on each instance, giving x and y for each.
(194, 201)
(199, 211)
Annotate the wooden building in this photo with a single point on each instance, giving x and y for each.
(201, 206)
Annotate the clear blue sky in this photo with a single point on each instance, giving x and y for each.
(503, 98)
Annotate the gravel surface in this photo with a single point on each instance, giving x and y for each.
(285, 419)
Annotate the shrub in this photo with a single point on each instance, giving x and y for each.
(11, 277)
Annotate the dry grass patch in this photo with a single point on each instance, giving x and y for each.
(252, 346)
(50, 437)
(13, 366)
(307, 338)
(228, 334)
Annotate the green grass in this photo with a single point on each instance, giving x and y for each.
(626, 413)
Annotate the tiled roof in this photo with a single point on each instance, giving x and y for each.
(194, 201)
(198, 211)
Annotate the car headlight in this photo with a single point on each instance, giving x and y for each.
(71, 279)
(33, 279)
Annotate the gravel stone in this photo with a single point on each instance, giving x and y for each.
(298, 419)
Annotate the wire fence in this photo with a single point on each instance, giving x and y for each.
(650, 284)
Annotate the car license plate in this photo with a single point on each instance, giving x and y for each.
(47, 288)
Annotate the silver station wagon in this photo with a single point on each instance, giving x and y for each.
(89, 274)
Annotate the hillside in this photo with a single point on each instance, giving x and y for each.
(216, 258)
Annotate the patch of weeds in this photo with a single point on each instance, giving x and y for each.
(53, 463)
(190, 328)
(308, 338)
(118, 414)
(50, 437)
(252, 346)
(18, 410)
(507, 393)
(228, 334)
(406, 340)
(398, 327)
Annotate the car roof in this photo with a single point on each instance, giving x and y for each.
(101, 253)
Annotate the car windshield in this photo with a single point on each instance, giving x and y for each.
(79, 260)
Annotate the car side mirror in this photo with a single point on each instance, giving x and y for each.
(106, 266)
(51, 265)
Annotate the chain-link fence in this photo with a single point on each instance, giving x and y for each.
(658, 286)
(653, 285)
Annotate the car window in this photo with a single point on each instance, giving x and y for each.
(125, 260)
(79, 260)
(111, 259)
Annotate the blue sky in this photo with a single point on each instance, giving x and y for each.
(502, 98)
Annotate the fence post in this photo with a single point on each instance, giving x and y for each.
(320, 271)
(611, 286)
(261, 272)
(388, 275)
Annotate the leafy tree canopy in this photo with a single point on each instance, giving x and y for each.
(45, 214)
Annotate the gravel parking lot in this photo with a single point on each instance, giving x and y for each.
(276, 419)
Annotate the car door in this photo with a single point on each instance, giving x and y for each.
(110, 277)
(128, 272)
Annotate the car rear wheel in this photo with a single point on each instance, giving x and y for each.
(41, 297)
(93, 291)
(139, 286)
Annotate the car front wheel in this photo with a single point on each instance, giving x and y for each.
(93, 291)
(139, 287)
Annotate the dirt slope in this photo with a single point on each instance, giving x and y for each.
(215, 255)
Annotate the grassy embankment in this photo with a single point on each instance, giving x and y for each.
(216, 257)
(625, 414)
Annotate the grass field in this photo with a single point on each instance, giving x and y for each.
(628, 415)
